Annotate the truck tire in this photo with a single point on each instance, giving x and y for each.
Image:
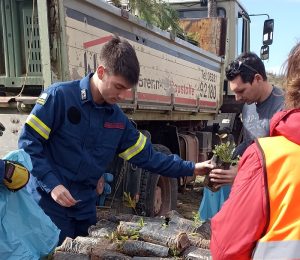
(158, 194)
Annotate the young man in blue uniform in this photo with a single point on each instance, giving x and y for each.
(73, 133)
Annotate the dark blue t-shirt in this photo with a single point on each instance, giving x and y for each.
(256, 118)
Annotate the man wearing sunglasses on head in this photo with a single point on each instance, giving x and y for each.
(248, 80)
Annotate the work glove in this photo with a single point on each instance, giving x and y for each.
(103, 188)
(16, 175)
(2, 128)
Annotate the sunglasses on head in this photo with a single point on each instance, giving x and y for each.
(235, 69)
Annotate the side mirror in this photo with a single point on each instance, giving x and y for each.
(264, 52)
(268, 32)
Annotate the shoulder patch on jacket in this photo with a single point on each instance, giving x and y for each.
(114, 125)
(42, 99)
(83, 94)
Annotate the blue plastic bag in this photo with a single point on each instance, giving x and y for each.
(26, 232)
(212, 202)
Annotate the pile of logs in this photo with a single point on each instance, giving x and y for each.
(134, 237)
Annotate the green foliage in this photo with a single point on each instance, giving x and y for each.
(164, 225)
(193, 38)
(166, 17)
(116, 3)
(143, 9)
(141, 222)
(115, 237)
(224, 152)
(135, 236)
(154, 12)
(174, 252)
(196, 219)
(129, 202)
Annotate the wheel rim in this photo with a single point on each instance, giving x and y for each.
(157, 200)
(162, 198)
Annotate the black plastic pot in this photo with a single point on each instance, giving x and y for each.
(218, 164)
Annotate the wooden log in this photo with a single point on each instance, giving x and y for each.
(195, 253)
(165, 236)
(174, 214)
(128, 228)
(141, 248)
(198, 240)
(189, 226)
(100, 254)
(153, 258)
(69, 256)
(103, 228)
(127, 218)
(181, 223)
(149, 220)
(204, 230)
(121, 217)
(83, 245)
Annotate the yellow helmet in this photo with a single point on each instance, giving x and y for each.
(16, 175)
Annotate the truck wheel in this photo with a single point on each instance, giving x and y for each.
(158, 194)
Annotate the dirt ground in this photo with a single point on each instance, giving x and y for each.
(189, 201)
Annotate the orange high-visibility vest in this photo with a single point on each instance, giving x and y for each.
(281, 239)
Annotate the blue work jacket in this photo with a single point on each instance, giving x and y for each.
(72, 140)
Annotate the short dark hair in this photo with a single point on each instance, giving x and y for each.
(119, 58)
(246, 65)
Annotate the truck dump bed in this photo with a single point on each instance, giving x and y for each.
(178, 80)
(175, 75)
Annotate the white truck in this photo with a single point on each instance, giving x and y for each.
(181, 99)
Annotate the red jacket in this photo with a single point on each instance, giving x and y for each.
(242, 219)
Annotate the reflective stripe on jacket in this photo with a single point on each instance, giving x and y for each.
(281, 239)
